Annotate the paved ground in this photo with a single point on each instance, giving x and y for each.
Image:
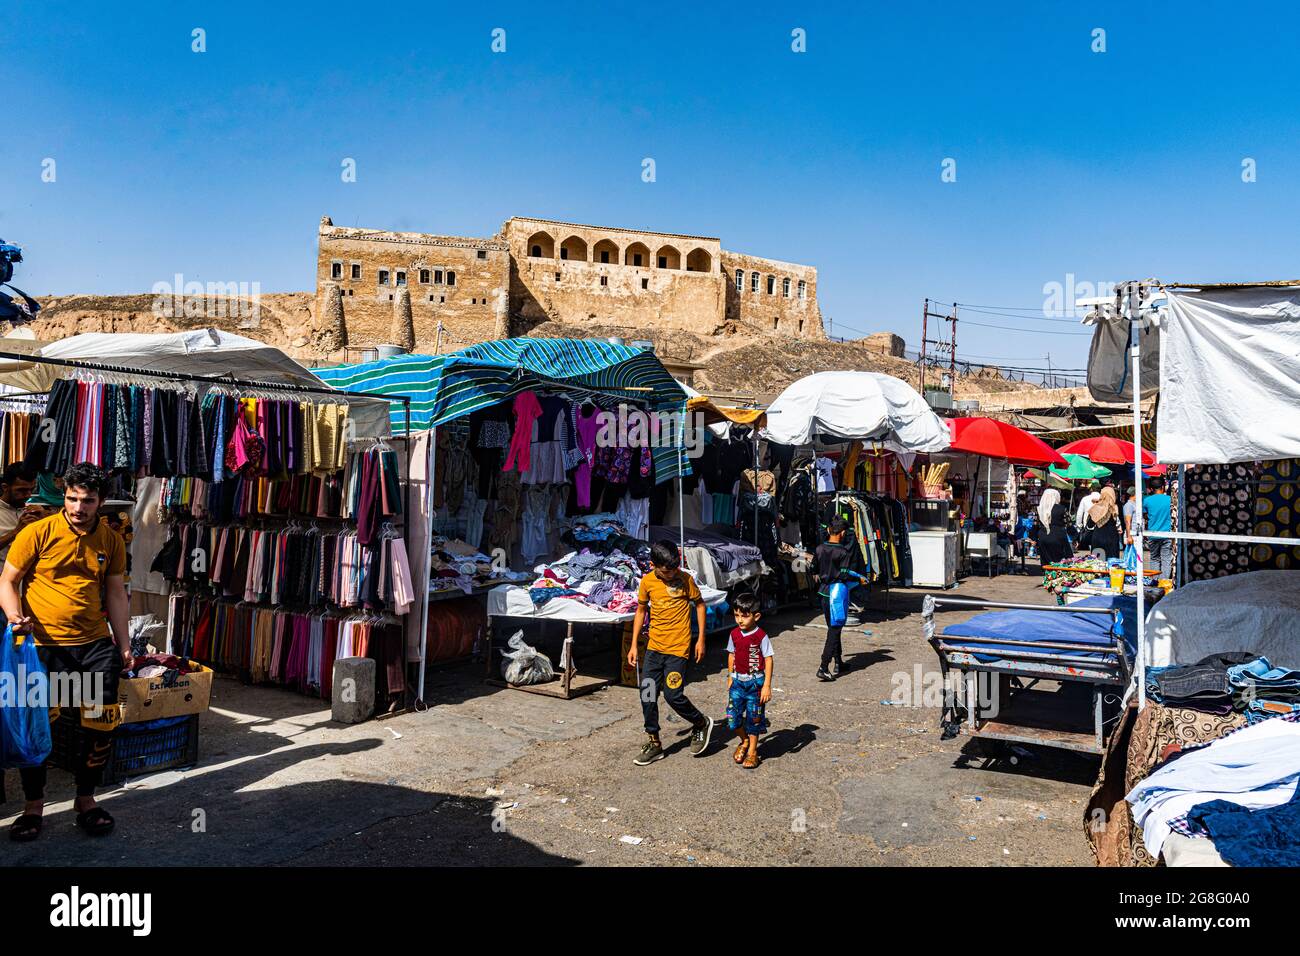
(488, 775)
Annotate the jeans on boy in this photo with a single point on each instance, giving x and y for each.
(663, 673)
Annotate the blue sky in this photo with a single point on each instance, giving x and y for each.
(1107, 166)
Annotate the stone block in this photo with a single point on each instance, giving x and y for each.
(353, 698)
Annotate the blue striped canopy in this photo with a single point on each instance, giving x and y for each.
(446, 387)
(412, 376)
(494, 371)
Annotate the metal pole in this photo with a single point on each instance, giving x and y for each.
(681, 507)
(952, 360)
(1135, 352)
(920, 359)
(431, 453)
(1180, 570)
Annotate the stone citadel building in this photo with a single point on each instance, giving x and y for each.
(375, 286)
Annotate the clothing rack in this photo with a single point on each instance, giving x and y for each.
(239, 383)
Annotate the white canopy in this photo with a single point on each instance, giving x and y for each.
(203, 353)
(1230, 376)
(855, 405)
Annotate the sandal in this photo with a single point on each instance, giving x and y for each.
(26, 828)
(752, 760)
(95, 821)
(739, 755)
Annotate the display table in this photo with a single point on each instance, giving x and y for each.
(934, 558)
(509, 602)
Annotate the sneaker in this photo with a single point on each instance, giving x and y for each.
(824, 674)
(700, 737)
(841, 669)
(651, 752)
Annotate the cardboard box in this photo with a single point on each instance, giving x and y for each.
(149, 698)
(627, 673)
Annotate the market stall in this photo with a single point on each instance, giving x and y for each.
(1226, 363)
(543, 449)
(1003, 444)
(268, 511)
(881, 423)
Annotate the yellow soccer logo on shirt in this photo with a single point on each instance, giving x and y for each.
(673, 680)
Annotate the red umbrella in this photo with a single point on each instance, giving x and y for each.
(1107, 451)
(995, 439)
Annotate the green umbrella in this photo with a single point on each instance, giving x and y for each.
(1080, 467)
(1053, 481)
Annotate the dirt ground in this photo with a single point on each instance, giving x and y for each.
(493, 776)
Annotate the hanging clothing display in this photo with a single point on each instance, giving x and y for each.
(1220, 499)
(1277, 514)
(290, 648)
(167, 430)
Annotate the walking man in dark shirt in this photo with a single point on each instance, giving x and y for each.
(832, 559)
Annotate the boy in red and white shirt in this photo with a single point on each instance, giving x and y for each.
(749, 678)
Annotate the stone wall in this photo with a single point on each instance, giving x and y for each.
(460, 281)
(885, 342)
(561, 272)
(766, 296)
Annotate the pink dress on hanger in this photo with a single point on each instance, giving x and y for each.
(588, 426)
(527, 410)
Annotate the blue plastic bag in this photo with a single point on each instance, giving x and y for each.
(839, 603)
(1130, 558)
(24, 730)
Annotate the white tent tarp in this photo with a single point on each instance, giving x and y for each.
(1230, 376)
(203, 353)
(855, 405)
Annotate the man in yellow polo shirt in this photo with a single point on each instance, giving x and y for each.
(61, 574)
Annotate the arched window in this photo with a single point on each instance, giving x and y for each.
(753, 282)
(771, 285)
(637, 254)
(699, 261)
(785, 288)
(605, 252)
(668, 258)
(740, 280)
(541, 246)
(573, 249)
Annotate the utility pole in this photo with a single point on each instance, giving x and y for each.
(920, 356)
(940, 346)
(952, 361)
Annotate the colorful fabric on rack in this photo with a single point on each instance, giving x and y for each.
(294, 649)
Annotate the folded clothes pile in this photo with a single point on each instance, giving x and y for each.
(455, 564)
(600, 580)
(1251, 769)
(1223, 683)
(602, 534)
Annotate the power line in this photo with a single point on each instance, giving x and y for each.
(1013, 315)
(1016, 328)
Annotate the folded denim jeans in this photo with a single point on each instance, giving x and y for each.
(1263, 674)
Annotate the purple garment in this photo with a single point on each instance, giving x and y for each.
(367, 523)
(295, 671)
(588, 426)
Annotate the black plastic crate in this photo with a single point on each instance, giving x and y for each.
(137, 748)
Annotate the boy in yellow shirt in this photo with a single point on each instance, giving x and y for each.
(667, 594)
